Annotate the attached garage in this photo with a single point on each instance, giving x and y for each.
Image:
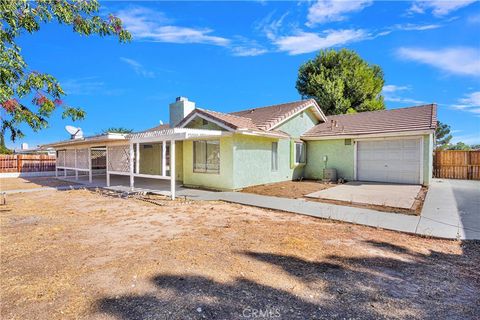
(398, 160)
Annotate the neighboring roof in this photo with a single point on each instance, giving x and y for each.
(265, 118)
(257, 119)
(92, 139)
(158, 128)
(418, 118)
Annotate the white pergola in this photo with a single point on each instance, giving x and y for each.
(125, 159)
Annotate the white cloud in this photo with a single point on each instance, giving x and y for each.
(462, 61)
(438, 7)
(242, 51)
(389, 88)
(305, 42)
(403, 100)
(138, 68)
(416, 27)
(333, 10)
(470, 103)
(149, 25)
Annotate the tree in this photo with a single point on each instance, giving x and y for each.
(18, 83)
(341, 82)
(459, 146)
(442, 135)
(475, 146)
(117, 130)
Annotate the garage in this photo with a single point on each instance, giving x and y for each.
(390, 160)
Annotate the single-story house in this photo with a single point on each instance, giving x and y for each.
(230, 151)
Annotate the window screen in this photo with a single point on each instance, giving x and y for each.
(206, 156)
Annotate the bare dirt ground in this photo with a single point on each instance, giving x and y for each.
(79, 254)
(299, 189)
(289, 189)
(32, 183)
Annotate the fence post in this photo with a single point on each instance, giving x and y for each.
(19, 163)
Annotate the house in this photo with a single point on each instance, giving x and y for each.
(230, 151)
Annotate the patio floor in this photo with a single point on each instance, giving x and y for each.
(382, 194)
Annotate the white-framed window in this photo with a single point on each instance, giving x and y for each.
(300, 152)
(274, 156)
(206, 156)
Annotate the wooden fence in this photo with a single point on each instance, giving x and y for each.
(453, 164)
(26, 163)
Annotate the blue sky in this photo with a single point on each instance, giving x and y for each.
(228, 56)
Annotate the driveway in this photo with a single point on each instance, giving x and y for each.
(452, 205)
(380, 194)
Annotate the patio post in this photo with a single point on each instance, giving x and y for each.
(76, 171)
(164, 158)
(56, 163)
(106, 167)
(131, 166)
(172, 168)
(90, 173)
(137, 159)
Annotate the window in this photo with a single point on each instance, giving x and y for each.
(206, 156)
(300, 154)
(274, 156)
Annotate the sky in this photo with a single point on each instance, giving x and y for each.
(228, 56)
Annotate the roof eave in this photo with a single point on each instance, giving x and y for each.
(370, 135)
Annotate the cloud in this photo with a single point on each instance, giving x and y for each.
(393, 88)
(403, 100)
(416, 27)
(82, 86)
(305, 42)
(150, 25)
(438, 7)
(241, 51)
(330, 10)
(138, 68)
(456, 60)
(469, 103)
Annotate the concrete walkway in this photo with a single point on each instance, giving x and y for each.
(451, 210)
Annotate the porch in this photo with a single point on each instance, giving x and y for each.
(143, 162)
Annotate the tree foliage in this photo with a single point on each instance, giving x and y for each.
(341, 82)
(18, 83)
(459, 146)
(117, 130)
(442, 135)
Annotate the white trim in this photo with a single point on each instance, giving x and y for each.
(107, 172)
(73, 169)
(421, 159)
(355, 150)
(196, 114)
(262, 134)
(295, 152)
(137, 158)
(164, 158)
(132, 179)
(90, 171)
(371, 136)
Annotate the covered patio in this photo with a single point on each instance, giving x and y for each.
(144, 161)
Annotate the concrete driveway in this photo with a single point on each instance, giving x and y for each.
(452, 208)
(382, 194)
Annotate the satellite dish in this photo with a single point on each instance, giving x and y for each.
(75, 133)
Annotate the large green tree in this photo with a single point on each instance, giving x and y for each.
(459, 146)
(442, 135)
(29, 96)
(341, 82)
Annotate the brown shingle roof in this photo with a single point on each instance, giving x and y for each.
(267, 117)
(230, 120)
(385, 121)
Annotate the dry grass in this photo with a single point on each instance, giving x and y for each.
(289, 189)
(78, 254)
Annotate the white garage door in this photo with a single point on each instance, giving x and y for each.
(396, 160)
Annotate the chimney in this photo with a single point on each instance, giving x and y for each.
(179, 110)
(24, 146)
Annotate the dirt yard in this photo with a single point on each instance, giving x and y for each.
(32, 183)
(288, 189)
(79, 254)
(299, 189)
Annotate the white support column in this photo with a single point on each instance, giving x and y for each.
(131, 166)
(106, 167)
(76, 171)
(56, 164)
(64, 164)
(164, 158)
(90, 173)
(172, 168)
(137, 160)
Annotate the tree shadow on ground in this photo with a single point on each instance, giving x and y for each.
(398, 284)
